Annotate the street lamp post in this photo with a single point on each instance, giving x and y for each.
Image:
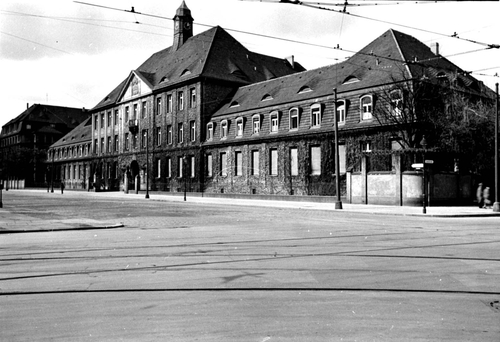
(52, 173)
(496, 204)
(338, 203)
(423, 143)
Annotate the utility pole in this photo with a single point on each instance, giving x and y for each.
(338, 203)
(496, 205)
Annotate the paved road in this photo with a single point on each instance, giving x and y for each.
(190, 271)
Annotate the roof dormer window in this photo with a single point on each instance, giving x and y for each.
(234, 104)
(266, 97)
(350, 79)
(304, 89)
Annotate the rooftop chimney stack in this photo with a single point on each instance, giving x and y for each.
(435, 48)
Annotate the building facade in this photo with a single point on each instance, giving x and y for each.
(207, 115)
(24, 142)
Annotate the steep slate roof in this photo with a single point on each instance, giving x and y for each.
(81, 134)
(213, 54)
(388, 58)
(51, 114)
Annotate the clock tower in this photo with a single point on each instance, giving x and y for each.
(183, 26)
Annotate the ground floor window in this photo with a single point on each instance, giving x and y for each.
(315, 160)
(294, 162)
(273, 162)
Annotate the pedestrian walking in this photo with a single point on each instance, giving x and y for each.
(479, 195)
(486, 198)
(62, 187)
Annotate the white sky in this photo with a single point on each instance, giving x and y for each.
(63, 53)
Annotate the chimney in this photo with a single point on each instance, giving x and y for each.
(435, 48)
(291, 61)
(27, 105)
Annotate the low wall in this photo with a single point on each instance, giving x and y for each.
(392, 188)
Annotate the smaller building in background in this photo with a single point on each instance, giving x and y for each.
(24, 142)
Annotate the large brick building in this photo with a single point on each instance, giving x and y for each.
(208, 115)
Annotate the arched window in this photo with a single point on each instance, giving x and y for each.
(294, 118)
(316, 115)
(341, 111)
(366, 107)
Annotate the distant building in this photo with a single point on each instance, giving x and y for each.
(207, 115)
(24, 142)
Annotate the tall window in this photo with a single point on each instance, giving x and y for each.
(294, 161)
(315, 160)
(144, 109)
(273, 162)
(210, 131)
(341, 112)
(102, 146)
(191, 166)
(192, 130)
(223, 129)
(169, 134)
(396, 102)
(135, 111)
(109, 145)
(255, 163)
(127, 114)
(180, 167)
(168, 167)
(256, 124)
(316, 115)
(180, 100)
(223, 164)
(366, 107)
(180, 133)
(158, 168)
(109, 118)
(238, 163)
(116, 143)
(116, 116)
(158, 105)
(144, 138)
(294, 118)
(239, 127)
(169, 103)
(342, 158)
(102, 121)
(96, 121)
(135, 139)
(274, 122)
(192, 98)
(209, 165)
(158, 136)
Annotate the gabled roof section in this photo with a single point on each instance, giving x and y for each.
(385, 60)
(212, 54)
(81, 134)
(68, 116)
(136, 85)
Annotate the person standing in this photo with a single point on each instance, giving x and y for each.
(479, 195)
(486, 198)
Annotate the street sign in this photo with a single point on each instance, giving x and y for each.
(428, 161)
(417, 165)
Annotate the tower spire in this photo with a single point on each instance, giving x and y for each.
(183, 26)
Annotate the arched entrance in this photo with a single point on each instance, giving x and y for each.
(135, 179)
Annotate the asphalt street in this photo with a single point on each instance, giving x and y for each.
(122, 268)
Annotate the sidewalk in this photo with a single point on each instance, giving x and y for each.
(11, 222)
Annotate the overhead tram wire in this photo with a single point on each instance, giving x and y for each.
(454, 35)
